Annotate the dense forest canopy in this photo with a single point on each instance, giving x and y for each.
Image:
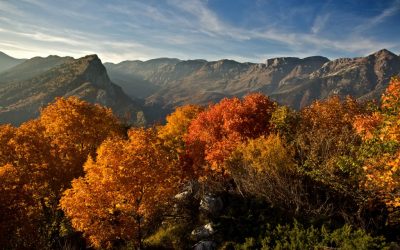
(239, 174)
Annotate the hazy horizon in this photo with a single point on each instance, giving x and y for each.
(188, 59)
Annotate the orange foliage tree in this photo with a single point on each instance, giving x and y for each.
(76, 128)
(216, 132)
(29, 175)
(381, 130)
(129, 181)
(325, 133)
(39, 159)
(7, 132)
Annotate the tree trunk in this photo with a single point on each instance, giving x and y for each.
(139, 235)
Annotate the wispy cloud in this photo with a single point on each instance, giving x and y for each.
(386, 13)
(175, 28)
(8, 8)
(210, 22)
(319, 23)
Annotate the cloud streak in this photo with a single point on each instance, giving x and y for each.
(319, 23)
(176, 28)
(378, 19)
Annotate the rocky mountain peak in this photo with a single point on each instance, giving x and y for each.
(315, 59)
(91, 70)
(224, 64)
(90, 58)
(383, 53)
(86, 61)
(280, 61)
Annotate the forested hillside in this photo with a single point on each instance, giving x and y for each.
(239, 174)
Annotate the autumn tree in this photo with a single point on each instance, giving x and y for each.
(284, 121)
(76, 128)
(12, 204)
(176, 128)
(325, 133)
(265, 168)
(217, 131)
(40, 159)
(27, 176)
(7, 132)
(122, 189)
(174, 132)
(381, 155)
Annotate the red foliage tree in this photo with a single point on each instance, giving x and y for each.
(216, 132)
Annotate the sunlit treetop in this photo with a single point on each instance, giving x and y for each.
(128, 182)
(216, 132)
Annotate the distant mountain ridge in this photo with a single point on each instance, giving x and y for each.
(157, 86)
(27, 87)
(7, 61)
(32, 67)
(289, 80)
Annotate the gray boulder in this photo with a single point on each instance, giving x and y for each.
(203, 232)
(205, 245)
(210, 204)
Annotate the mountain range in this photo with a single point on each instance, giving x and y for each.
(157, 86)
(34, 83)
(289, 80)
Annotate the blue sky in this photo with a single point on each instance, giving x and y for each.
(243, 30)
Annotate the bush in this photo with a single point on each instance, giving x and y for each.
(299, 237)
(169, 237)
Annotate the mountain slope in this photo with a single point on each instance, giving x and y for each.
(199, 81)
(292, 81)
(135, 77)
(7, 61)
(165, 83)
(31, 68)
(363, 77)
(85, 77)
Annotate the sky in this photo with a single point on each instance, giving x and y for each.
(242, 30)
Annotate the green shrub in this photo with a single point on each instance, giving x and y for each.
(169, 237)
(298, 237)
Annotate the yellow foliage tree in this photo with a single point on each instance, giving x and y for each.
(173, 135)
(122, 189)
(382, 128)
(265, 167)
(176, 128)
